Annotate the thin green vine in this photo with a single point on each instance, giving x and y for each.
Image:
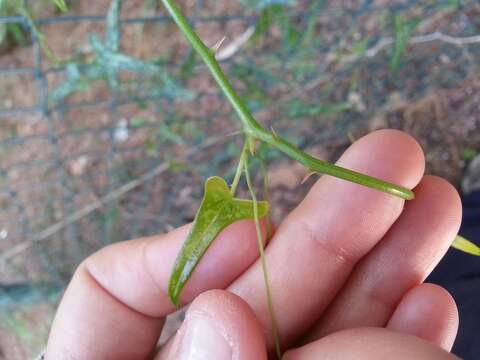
(254, 130)
(266, 194)
(240, 167)
(263, 260)
(23, 10)
(219, 200)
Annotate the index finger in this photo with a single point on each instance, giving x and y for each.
(115, 305)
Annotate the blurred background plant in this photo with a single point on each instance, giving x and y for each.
(110, 123)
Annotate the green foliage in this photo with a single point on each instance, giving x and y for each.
(12, 7)
(468, 154)
(138, 121)
(167, 134)
(17, 325)
(218, 209)
(107, 64)
(297, 108)
(275, 13)
(75, 81)
(61, 5)
(15, 32)
(248, 75)
(360, 47)
(263, 259)
(176, 166)
(264, 4)
(188, 66)
(402, 32)
(462, 244)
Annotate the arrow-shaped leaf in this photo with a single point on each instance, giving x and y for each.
(218, 209)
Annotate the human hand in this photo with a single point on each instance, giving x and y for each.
(346, 271)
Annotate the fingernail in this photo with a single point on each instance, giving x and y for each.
(203, 340)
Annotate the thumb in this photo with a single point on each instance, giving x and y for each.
(218, 325)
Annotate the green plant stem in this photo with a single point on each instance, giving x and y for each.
(263, 259)
(266, 193)
(240, 166)
(253, 129)
(25, 12)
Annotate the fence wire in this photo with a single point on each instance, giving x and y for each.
(114, 143)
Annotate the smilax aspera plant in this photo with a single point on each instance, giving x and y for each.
(220, 208)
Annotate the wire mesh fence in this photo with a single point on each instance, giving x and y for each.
(109, 122)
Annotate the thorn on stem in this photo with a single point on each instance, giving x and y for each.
(274, 133)
(351, 137)
(307, 176)
(217, 45)
(253, 146)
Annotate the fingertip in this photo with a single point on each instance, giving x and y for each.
(399, 156)
(218, 325)
(369, 343)
(236, 320)
(443, 196)
(427, 311)
(232, 311)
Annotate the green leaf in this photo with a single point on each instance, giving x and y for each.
(217, 210)
(462, 244)
(138, 121)
(296, 108)
(112, 39)
(166, 133)
(263, 4)
(73, 82)
(360, 47)
(188, 66)
(403, 31)
(61, 5)
(468, 154)
(3, 32)
(124, 62)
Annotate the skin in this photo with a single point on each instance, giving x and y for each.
(347, 268)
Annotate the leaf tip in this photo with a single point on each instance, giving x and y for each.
(464, 245)
(174, 292)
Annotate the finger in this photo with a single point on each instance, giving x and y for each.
(316, 247)
(429, 312)
(116, 301)
(369, 344)
(218, 325)
(403, 259)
